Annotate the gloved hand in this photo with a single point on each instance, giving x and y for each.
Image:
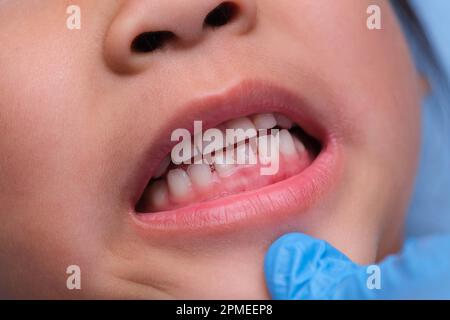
(300, 267)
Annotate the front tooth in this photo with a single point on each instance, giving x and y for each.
(240, 123)
(158, 194)
(283, 121)
(223, 163)
(162, 167)
(287, 145)
(264, 121)
(245, 153)
(244, 124)
(180, 185)
(200, 175)
(299, 146)
(214, 142)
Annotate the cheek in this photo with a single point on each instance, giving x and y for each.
(40, 121)
(375, 100)
(44, 104)
(370, 73)
(375, 83)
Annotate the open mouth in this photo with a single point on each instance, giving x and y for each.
(201, 196)
(177, 185)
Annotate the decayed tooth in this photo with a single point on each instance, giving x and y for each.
(223, 163)
(283, 121)
(180, 185)
(242, 129)
(287, 145)
(158, 194)
(162, 167)
(299, 146)
(264, 121)
(200, 175)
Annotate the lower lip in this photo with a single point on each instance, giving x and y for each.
(268, 205)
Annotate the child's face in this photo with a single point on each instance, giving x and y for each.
(81, 116)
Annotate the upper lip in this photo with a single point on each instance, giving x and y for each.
(243, 99)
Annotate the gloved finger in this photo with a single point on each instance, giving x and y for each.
(301, 267)
(298, 266)
(420, 271)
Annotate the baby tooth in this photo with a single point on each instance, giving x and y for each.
(200, 175)
(240, 123)
(243, 128)
(263, 150)
(287, 145)
(224, 170)
(299, 146)
(159, 194)
(162, 167)
(264, 121)
(214, 142)
(245, 154)
(283, 121)
(223, 163)
(224, 156)
(180, 185)
(269, 149)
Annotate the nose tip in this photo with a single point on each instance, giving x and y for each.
(142, 27)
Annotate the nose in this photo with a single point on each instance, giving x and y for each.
(143, 27)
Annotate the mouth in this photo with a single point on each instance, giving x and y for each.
(227, 187)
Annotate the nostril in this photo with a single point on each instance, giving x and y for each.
(221, 15)
(150, 41)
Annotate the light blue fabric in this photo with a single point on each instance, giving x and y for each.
(430, 206)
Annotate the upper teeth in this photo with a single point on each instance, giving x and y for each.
(180, 184)
(283, 121)
(162, 167)
(264, 121)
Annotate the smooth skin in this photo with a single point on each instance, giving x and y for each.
(77, 114)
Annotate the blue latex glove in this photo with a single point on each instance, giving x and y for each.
(300, 267)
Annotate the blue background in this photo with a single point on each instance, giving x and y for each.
(430, 206)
